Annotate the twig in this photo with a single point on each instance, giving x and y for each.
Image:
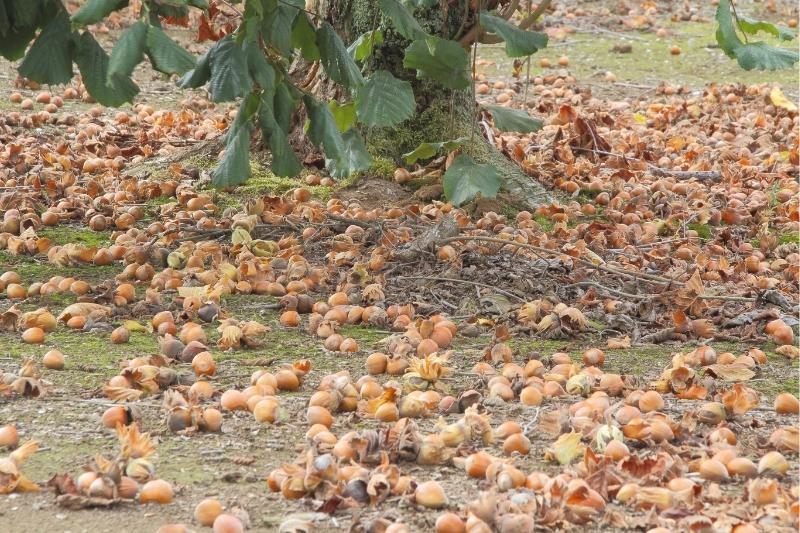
(699, 174)
(657, 171)
(508, 12)
(726, 298)
(475, 283)
(604, 268)
(528, 21)
(583, 284)
(345, 220)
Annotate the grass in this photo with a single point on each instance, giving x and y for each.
(32, 270)
(703, 231)
(61, 235)
(650, 61)
(91, 358)
(646, 363)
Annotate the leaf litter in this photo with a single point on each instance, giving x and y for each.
(671, 227)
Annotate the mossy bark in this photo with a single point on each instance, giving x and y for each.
(442, 113)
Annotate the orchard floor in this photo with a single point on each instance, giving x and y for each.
(232, 466)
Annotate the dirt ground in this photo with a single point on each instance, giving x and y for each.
(232, 466)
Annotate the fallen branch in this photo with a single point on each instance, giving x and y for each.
(614, 292)
(699, 174)
(605, 268)
(475, 283)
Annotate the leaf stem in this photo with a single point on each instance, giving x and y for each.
(736, 16)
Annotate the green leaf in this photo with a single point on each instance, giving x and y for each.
(93, 64)
(352, 156)
(508, 119)
(166, 55)
(284, 160)
(753, 26)
(428, 150)
(285, 105)
(25, 13)
(5, 23)
(50, 58)
(277, 28)
(344, 115)
(129, 50)
(259, 68)
(96, 10)
(403, 21)
(198, 76)
(757, 55)
(304, 37)
(15, 42)
(235, 165)
(726, 31)
(761, 56)
(440, 60)
(384, 100)
(465, 179)
(321, 127)
(338, 64)
(344, 153)
(361, 48)
(519, 42)
(228, 64)
(200, 4)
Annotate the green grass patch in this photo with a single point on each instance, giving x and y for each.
(33, 270)
(545, 223)
(650, 62)
(703, 231)
(61, 235)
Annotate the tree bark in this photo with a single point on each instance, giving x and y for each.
(441, 113)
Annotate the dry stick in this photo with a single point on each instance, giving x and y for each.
(604, 268)
(475, 283)
(657, 171)
(614, 292)
(699, 174)
(634, 275)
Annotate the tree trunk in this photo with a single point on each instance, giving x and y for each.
(441, 114)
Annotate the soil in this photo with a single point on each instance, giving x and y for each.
(375, 192)
(232, 465)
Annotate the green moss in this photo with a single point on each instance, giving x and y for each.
(703, 231)
(61, 235)
(381, 167)
(789, 238)
(439, 121)
(201, 162)
(263, 182)
(544, 222)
